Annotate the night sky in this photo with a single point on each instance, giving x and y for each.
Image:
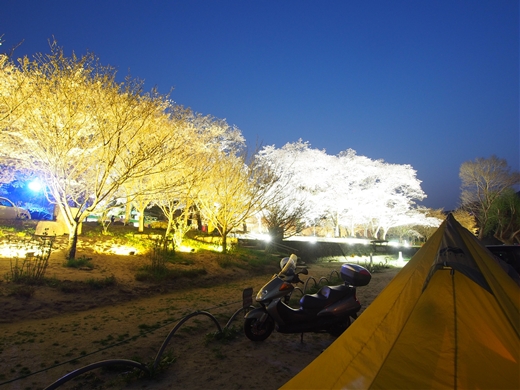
(427, 83)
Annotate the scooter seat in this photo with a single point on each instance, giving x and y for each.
(324, 297)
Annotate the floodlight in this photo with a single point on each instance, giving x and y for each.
(35, 186)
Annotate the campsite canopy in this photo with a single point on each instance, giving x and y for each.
(449, 319)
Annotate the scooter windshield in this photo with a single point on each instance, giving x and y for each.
(289, 267)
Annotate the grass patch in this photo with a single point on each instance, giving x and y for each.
(247, 259)
(157, 270)
(255, 257)
(77, 286)
(99, 284)
(80, 262)
(376, 267)
(204, 241)
(22, 291)
(106, 341)
(145, 328)
(179, 259)
(148, 273)
(225, 261)
(19, 228)
(228, 334)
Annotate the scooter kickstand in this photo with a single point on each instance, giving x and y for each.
(301, 338)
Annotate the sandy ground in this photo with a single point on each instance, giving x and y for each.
(52, 333)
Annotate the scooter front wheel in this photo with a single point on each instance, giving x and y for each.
(257, 331)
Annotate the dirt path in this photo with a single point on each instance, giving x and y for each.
(52, 345)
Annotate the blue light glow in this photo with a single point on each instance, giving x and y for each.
(35, 186)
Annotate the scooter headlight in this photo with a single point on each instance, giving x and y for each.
(261, 294)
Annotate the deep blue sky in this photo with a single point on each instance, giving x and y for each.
(426, 83)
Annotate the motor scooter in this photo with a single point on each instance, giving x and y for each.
(329, 310)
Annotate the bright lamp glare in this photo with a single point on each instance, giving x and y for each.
(35, 186)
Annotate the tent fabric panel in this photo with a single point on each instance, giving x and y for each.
(488, 349)
(468, 344)
(503, 287)
(369, 346)
(355, 356)
(425, 358)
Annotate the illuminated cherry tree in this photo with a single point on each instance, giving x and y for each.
(394, 192)
(295, 195)
(185, 176)
(360, 195)
(84, 134)
(235, 188)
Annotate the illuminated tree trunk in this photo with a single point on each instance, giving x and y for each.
(224, 243)
(140, 229)
(73, 241)
(128, 211)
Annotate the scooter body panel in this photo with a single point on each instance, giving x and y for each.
(290, 320)
(343, 308)
(299, 321)
(272, 290)
(284, 314)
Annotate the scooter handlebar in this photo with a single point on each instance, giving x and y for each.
(293, 277)
(297, 279)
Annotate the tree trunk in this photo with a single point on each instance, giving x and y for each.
(224, 242)
(168, 227)
(140, 210)
(128, 211)
(73, 241)
(141, 223)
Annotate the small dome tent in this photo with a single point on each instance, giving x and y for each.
(449, 319)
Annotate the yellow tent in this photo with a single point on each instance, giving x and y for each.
(449, 319)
